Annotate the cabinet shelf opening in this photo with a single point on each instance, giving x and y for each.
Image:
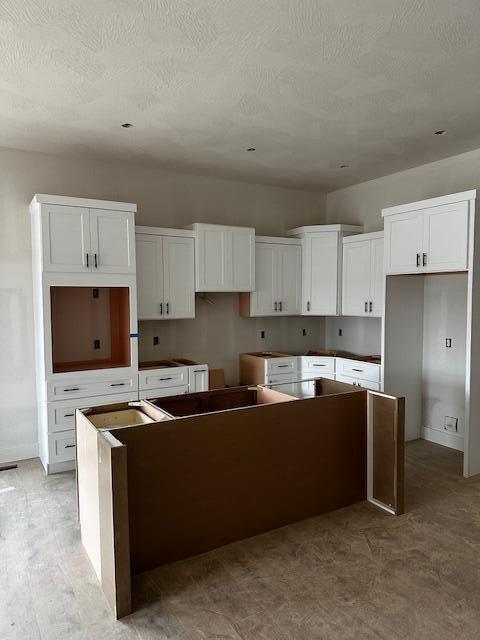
(90, 328)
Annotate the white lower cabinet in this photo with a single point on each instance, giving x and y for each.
(315, 367)
(173, 380)
(366, 384)
(198, 378)
(358, 372)
(61, 427)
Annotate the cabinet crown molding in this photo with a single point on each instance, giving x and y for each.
(277, 240)
(43, 198)
(431, 202)
(360, 237)
(165, 231)
(321, 228)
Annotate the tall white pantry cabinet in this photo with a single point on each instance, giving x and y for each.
(85, 297)
(424, 240)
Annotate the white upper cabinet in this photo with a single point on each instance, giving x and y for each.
(427, 237)
(277, 278)
(224, 258)
(363, 278)
(165, 274)
(322, 267)
(79, 235)
(65, 238)
(112, 235)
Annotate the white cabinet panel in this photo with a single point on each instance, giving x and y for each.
(377, 278)
(445, 238)
(242, 260)
(277, 279)
(357, 264)
(224, 258)
(263, 299)
(162, 378)
(150, 292)
(403, 243)
(112, 237)
(179, 277)
(165, 277)
(198, 378)
(65, 238)
(289, 259)
(162, 392)
(320, 274)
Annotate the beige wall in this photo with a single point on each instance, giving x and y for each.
(362, 203)
(163, 198)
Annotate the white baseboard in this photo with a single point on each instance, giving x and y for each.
(19, 452)
(445, 438)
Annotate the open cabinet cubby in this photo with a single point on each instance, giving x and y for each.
(90, 328)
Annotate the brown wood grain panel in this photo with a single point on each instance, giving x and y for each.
(388, 450)
(200, 482)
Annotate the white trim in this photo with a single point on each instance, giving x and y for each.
(431, 202)
(43, 198)
(277, 240)
(382, 506)
(445, 438)
(320, 228)
(202, 225)
(360, 237)
(19, 452)
(164, 231)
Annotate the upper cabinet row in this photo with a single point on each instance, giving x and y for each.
(76, 239)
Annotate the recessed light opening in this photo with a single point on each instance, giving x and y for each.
(440, 132)
(251, 149)
(127, 125)
(344, 166)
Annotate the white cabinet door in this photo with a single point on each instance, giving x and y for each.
(377, 278)
(320, 274)
(403, 243)
(289, 280)
(149, 276)
(356, 284)
(179, 277)
(198, 378)
(264, 297)
(224, 258)
(242, 260)
(211, 252)
(65, 238)
(112, 235)
(445, 238)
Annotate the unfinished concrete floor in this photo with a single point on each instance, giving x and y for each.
(356, 573)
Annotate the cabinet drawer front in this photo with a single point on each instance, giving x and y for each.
(61, 447)
(162, 393)
(282, 365)
(61, 414)
(86, 388)
(163, 378)
(358, 369)
(318, 365)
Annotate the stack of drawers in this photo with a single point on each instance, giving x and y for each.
(78, 392)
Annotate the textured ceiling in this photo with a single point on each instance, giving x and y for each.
(311, 84)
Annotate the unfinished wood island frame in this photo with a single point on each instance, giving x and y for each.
(166, 479)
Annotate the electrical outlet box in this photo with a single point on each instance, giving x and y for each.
(262, 335)
(95, 293)
(304, 332)
(448, 343)
(155, 341)
(340, 332)
(96, 344)
(450, 424)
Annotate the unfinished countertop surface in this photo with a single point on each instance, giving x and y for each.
(329, 353)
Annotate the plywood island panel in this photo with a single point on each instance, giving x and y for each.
(215, 467)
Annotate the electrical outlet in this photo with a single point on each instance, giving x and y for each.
(262, 335)
(95, 293)
(450, 424)
(340, 332)
(155, 341)
(304, 332)
(96, 344)
(448, 343)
